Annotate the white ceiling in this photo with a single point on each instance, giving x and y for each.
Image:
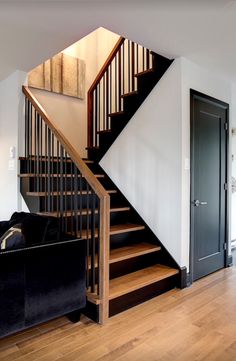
(202, 31)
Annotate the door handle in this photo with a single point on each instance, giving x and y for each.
(197, 203)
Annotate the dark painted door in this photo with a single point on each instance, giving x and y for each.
(208, 182)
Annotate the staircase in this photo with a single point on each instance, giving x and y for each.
(126, 263)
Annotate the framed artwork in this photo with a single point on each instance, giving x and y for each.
(63, 74)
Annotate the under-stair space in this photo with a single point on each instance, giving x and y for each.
(126, 262)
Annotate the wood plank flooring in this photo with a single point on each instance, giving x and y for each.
(197, 323)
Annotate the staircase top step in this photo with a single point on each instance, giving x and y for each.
(133, 281)
(133, 93)
(116, 114)
(145, 72)
(44, 194)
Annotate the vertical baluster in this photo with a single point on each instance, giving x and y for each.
(137, 59)
(34, 151)
(80, 203)
(37, 149)
(98, 243)
(143, 58)
(72, 196)
(128, 60)
(41, 154)
(104, 101)
(132, 66)
(147, 58)
(119, 79)
(107, 99)
(58, 182)
(99, 115)
(87, 229)
(93, 243)
(30, 139)
(61, 190)
(123, 66)
(53, 187)
(67, 191)
(95, 117)
(27, 133)
(46, 166)
(49, 174)
(116, 85)
(76, 207)
(111, 95)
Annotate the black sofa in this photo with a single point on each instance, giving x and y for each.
(39, 282)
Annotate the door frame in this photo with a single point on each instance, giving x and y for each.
(194, 94)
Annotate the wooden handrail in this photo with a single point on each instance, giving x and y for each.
(106, 64)
(103, 195)
(94, 84)
(73, 153)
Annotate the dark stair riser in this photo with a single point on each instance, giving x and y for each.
(141, 295)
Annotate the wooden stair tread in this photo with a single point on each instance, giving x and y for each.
(130, 94)
(115, 229)
(149, 71)
(43, 194)
(127, 252)
(115, 114)
(84, 212)
(55, 159)
(26, 175)
(134, 250)
(127, 227)
(133, 281)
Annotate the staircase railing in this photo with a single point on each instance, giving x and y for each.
(116, 78)
(71, 192)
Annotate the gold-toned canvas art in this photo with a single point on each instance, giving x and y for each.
(63, 74)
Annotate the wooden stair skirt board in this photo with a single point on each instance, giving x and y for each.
(134, 288)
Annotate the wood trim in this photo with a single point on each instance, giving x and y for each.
(104, 253)
(93, 86)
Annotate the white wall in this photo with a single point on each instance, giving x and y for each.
(11, 120)
(147, 161)
(70, 114)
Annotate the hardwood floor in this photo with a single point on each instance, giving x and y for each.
(197, 323)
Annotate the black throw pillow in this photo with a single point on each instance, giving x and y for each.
(4, 226)
(37, 228)
(13, 238)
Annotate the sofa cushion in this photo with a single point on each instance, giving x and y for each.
(13, 238)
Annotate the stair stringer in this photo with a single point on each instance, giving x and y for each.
(145, 163)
